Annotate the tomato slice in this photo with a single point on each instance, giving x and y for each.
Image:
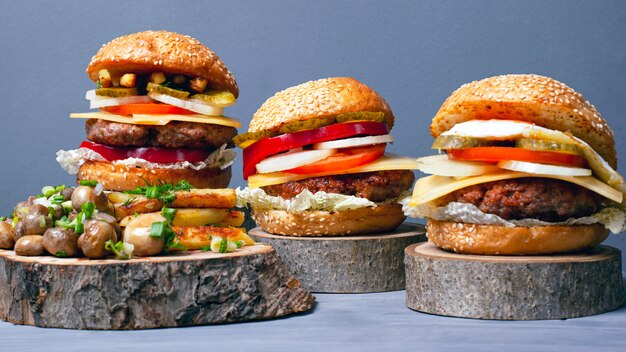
(344, 159)
(147, 109)
(495, 154)
(266, 147)
(151, 154)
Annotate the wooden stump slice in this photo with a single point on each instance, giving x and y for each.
(346, 264)
(192, 288)
(513, 287)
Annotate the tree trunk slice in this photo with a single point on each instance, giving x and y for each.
(513, 287)
(346, 264)
(192, 288)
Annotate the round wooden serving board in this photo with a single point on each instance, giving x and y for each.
(190, 288)
(513, 287)
(346, 264)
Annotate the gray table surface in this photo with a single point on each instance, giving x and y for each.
(342, 322)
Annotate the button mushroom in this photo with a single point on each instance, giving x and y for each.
(6, 236)
(92, 242)
(37, 221)
(61, 242)
(137, 233)
(29, 246)
(86, 194)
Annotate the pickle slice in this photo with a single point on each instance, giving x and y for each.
(539, 144)
(310, 124)
(217, 98)
(362, 116)
(241, 139)
(157, 88)
(459, 142)
(116, 92)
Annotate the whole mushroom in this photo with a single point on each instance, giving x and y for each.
(37, 221)
(92, 242)
(137, 233)
(29, 246)
(61, 242)
(6, 236)
(86, 194)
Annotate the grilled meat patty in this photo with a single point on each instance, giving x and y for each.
(534, 198)
(176, 134)
(375, 186)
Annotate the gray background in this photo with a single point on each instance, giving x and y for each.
(413, 53)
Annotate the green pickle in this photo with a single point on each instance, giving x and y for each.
(310, 124)
(459, 142)
(157, 88)
(542, 145)
(217, 98)
(362, 116)
(251, 136)
(116, 92)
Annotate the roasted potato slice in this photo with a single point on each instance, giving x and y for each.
(139, 205)
(222, 198)
(201, 217)
(196, 237)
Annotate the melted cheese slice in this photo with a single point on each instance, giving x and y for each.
(387, 162)
(432, 187)
(158, 119)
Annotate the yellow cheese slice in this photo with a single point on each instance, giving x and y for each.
(387, 162)
(432, 187)
(159, 119)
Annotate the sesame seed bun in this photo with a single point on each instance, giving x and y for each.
(123, 178)
(323, 223)
(532, 98)
(322, 98)
(153, 51)
(500, 240)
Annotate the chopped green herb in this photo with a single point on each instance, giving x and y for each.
(224, 245)
(88, 209)
(205, 248)
(60, 254)
(59, 188)
(2, 218)
(90, 183)
(98, 84)
(57, 199)
(239, 243)
(136, 214)
(169, 214)
(163, 191)
(79, 228)
(157, 229)
(48, 191)
(122, 251)
(129, 201)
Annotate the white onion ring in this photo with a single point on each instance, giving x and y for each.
(292, 160)
(194, 106)
(354, 142)
(135, 99)
(543, 169)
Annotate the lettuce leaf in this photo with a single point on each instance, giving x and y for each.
(612, 217)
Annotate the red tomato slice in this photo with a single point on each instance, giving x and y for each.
(147, 109)
(495, 154)
(266, 147)
(344, 159)
(151, 154)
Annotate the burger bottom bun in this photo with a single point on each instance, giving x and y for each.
(324, 223)
(123, 178)
(500, 240)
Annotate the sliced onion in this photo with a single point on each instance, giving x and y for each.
(292, 160)
(543, 169)
(441, 165)
(135, 99)
(354, 142)
(194, 106)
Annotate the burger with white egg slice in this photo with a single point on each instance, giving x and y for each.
(314, 157)
(161, 97)
(528, 167)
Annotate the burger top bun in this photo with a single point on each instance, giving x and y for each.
(532, 98)
(165, 51)
(322, 98)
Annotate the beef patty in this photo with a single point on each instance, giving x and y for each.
(375, 186)
(536, 198)
(176, 134)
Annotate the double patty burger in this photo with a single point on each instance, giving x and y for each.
(528, 168)
(315, 161)
(161, 96)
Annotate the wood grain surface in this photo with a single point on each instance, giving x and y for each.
(513, 287)
(190, 288)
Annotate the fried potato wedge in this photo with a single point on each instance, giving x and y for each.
(201, 217)
(196, 237)
(129, 204)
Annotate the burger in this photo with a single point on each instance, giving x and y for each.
(160, 98)
(528, 167)
(314, 157)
